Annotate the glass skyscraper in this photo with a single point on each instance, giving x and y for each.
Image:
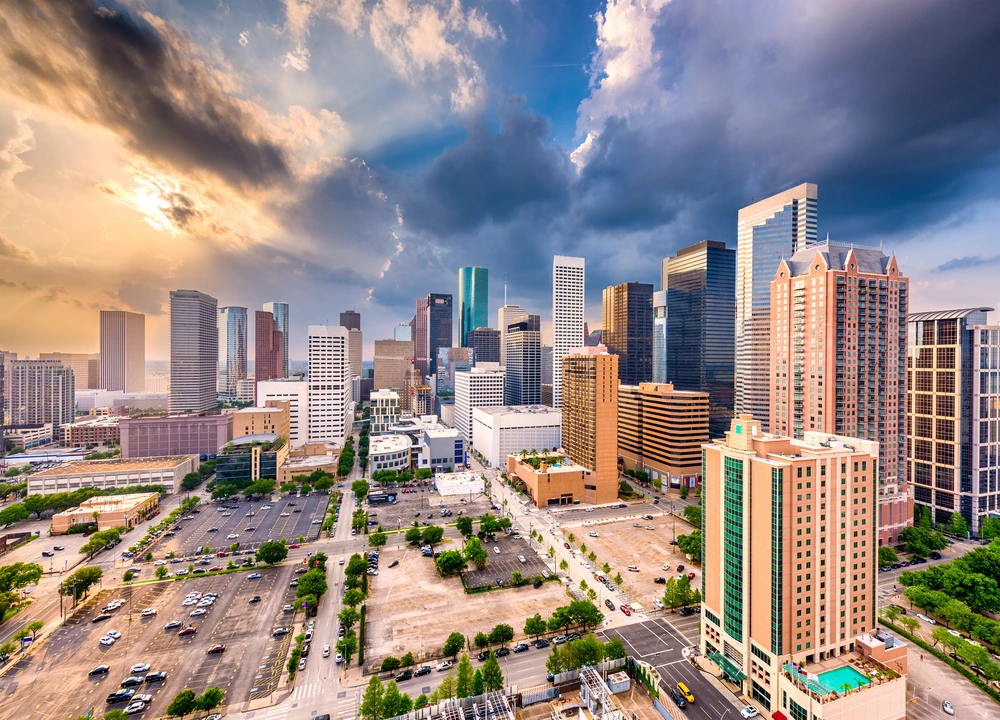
(232, 349)
(473, 301)
(660, 336)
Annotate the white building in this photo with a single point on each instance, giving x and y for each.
(567, 315)
(384, 411)
(482, 386)
(505, 316)
(389, 452)
(296, 394)
(460, 483)
(501, 431)
(331, 411)
(109, 474)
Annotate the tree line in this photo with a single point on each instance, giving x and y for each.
(61, 501)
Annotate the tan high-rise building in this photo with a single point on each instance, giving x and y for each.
(790, 575)
(661, 431)
(392, 359)
(85, 367)
(355, 347)
(272, 419)
(590, 416)
(123, 351)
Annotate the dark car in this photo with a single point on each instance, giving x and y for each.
(935, 555)
(102, 616)
(394, 563)
(131, 681)
(156, 677)
(483, 655)
(279, 632)
(255, 599)
(422, 670)
(521, 647)
(120, 696)
(216, 649)
(322, 717)
(541, 643)
(902, 610)
(537, 584)
(499, 582)
(405, 675)
(572, 636)
(502, 652)
(99, 670)
(611, 605)
(687, 611)
(677, 698)
(680, 568)
(660, 581)
(305, 650)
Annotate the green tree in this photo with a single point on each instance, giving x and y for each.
(272, 552)
(463, 681)
(13, 514)
(561, 619)
(35, 504)
(690, 545)
(450, 562)
(492, 675)
(692, 513)
(478, 686)
(614, 648)
(618, 579)
(891, 613)
(312, 583)
(356, 565)
(18, 575)
(887, 556)
(606, 568)
(433, 535)
(464, 525)
(420, 702)
(182, 704)
(475, 552)
(408, 660)
(554, 663)
(348, 617)
(453, 645)
(360, 488)
(210, 699)
(592, 595)
(563, 565)
(395, 703)
(413, 536)
(372, 705)
(377, 539)
(481, 640)
(489, 524)
(446, 689)
(390, 663)
(909, 623)
(77, 584)
(34, 627)
(501, 634)
(353, 598)
(587, 650)
(535, 625)
(957, 525)
(113, 715)
(585, 613)
(347, 646)
(160, 572)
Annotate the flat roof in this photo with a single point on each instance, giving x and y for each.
(97, 421)
(564, 464)
(254, 410)
(87, 467)
(259, 437)
(520, 410)
(456, 478)
(310, 461)
(109, 503)
(388, 443)
(441, 432)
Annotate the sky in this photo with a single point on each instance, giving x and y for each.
(342, 154)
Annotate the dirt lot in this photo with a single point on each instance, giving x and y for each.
(502, 565)
(620, 544)
(412, 609)
(424, 501)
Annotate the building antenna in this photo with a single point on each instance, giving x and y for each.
(505, 289)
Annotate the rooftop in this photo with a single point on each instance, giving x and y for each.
(111, 503)
(106, 421)
(309, 461)
(556, 462)
(946, 314)
(870, 260)
(520, 410)
(441, 432)
(87, 467)
(253, 410)
(259, 438)
(388, 443)
(455, 478)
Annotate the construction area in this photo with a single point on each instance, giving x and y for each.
(591, 696)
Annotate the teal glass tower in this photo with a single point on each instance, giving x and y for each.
(473, 298)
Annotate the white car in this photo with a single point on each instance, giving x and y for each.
(496, 549)
(113, 634)
(199, 612)
(926, 619)
(135, 707)
(231, 536)
(446, 665)
(140, 668)
(172, 624)
(750, 712)
(326, 651)
(316, 522)
(592, 534)
(287, 608)
(948, 707)
(265, 507)
(189, 602)
(227, 514)
(182, 572)
(107, 640)
(666, 566)
(159, 562)
(341, 561)
(148, 612)
(339, 658)
(207, 602)
(285, 515)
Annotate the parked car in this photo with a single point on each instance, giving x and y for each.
(254, 576)
(405, 675)
(678, 699)
(190, 630)
(99, 670)
(541, 643)
(446, 665)
(502, 652)
(624, 609)
(156, 677)
(521, 647)
(216, 650)
(422, 670)
(750, 712)
(660, 580)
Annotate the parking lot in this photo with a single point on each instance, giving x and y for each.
(51, 683)
(413, 609)
(424, 501)
(621, 544)
(502, 565)
(289, 517)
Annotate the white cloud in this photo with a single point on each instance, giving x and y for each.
(20, 141)
(297, 59)
(245, 38)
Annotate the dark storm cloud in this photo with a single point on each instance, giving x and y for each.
(107, 66)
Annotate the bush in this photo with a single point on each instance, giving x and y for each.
(390, 663)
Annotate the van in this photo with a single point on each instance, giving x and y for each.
(633, 568)
(685, 693)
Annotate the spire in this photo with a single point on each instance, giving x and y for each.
(505, 288)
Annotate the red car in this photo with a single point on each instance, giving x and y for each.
(690, 576)
(215, 568)
(216, 649)
(624, 609)
(293, 546)
(566, 545)
(222, 553)
(188, 631)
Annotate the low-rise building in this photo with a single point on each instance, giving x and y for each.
(274, 418)
(108, 474)
(90, 431)
(307, 459)
(384, 411)
(108, 511)
(441, 448)
(179, 435)
(30, 435)
(552, 478)
(389, 452)
(458, 483)
(501, 431)
(251, 457)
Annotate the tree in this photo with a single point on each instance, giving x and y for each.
(356, 565)
(450, 562)
(353, 598)
(957, 525)
(517, 579)
(287, 487)
(585, 651)
(502, 634)
(377, 539)
(618, 579)
(534, 625)
(312, 583)
(7, 601)
(348, 617)
(454, 643)
(77, 584)
(891, 613)
(390, 663)
(35, 504)
(592, 595)
(395, 703)
(690, 545)
(563, 565)
(372, 705)
(324, 483)
(347, 646)
(887, 556)
(360, 488)
(464, 525)
(182, 704)
(18, 575)
(34, 627)
(408, 660)
(13, 514)
(210, 699)
(7, 649)
(433, 535)
(475, 552)
(463, 681)
(272, 552)
(692, 513)
(561, 619)
(413, 536)
(114, 715)
(446, 689)
(420, 702)
(614, 648)
(489, 524)
(554, 663)
(160, 572)
(909, 623)
(492, 675)
(585, 613)
(478, 687)
(606, 568)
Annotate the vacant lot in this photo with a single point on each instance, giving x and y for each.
(424, 505)
(412, 609)
(502, 565)
(620, 544)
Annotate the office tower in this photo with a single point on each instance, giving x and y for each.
(954, 395)
(384, 411)
(194, 351)
(523, 385)
(486, 344)
(7, 359)
(123, 351)
(661, 431)
(41, 391)
(482, 386)
(280, 312)
(628, 330)
(767, 231)
(789, 563)
(85, 367)
(232, 350)
(392, 360)
(421, 400)
(838, 359)
(700, 331)
(355, 343)
(403, 331)
(330, 409)
(664, 283)
(546, 364)
(450, 361)
(439, 328)
(660, 336)
(351, 319)
(3, 392)
(505, 316)
(269, 347)
(421, 339)
(473, 301)
(411, 379)
(567, 315)
(590, 416)
(296, 394)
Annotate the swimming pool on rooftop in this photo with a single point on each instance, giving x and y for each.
(835, 679)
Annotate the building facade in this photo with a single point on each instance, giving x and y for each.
(269, 347)
(505, 316)
(441, 449)
(296, 394)
(590, 417)
(473, 302)
(232, 350)
(432, 331)
(351, 319)
(123, 351)
(331, 410)
(92, 431)
(109, 511)
(393, 358)
(628, 330)
(661, 431)
(790, 576)
(700, 327)
(355, 352)
(280, 312)
(85, 367)
(274, 419)
(485, 342)
(766, 232)
(194, 351)
(952, 453)
(660, 336)
(451, 361)
(389, 452)
(501, 431)
(111, 474)
(838, 359)
(482, 386)
(384, 411)
(568, 285)
(181, 435)
(251, 457)
(523, 384)
(403, 332)
(41, 391)
(552, 479)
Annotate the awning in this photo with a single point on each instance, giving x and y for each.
(778, 715)
(728, 667)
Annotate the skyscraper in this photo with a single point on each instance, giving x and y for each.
(482, 386)
(486, 344)
(355, 340)
(194, 351)
(330, 408)
(473, 301)
(280, 312)
(838, 359)
(432, 331)
(590, 416)
(505, 316)
(568, 284)
(660, 336)
(628, 330)
(790, 574)
(351, 319)
(700, 333)
(952, 357)
(767, 231)
(523, 384)
(393, 358)
(41, 391)
(269, 346)
(85, 367)
(123, 351)
(403, 331)
(232, 350)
